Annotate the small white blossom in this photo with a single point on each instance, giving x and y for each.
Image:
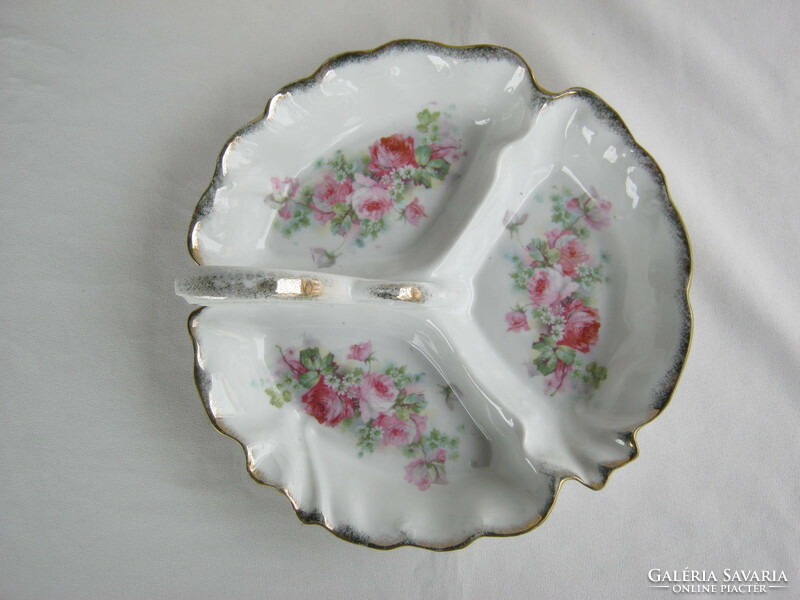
(351, 379)
(339, 385)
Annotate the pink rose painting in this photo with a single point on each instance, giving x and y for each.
(548, 286)
(414, 212)
(572, 252)
(377, 395)
(517, 320)
(330, 192)
(371, 199)
(417, 473)
(361, 352)
(382, 409)
(327, 195)
(422, 472)
(394, 429)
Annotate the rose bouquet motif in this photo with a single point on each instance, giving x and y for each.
(357, 195)
(381, 408)
(558, 275)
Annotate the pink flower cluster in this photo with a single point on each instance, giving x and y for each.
(553, 283)
(367, 194)
(553, 286)
(358, 194)
(372, 398)
(375, 399)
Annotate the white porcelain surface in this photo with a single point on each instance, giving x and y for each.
(551, 187)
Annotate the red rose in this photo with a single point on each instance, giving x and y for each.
(582, 326)
(390, 153)
(325, 405)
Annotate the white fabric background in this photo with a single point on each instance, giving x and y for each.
(113, 482)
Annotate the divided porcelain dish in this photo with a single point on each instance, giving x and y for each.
(434, 292)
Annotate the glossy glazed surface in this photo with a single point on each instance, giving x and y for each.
(448, 292)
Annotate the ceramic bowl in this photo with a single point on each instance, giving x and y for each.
(435, 291)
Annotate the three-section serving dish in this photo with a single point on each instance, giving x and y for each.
(433, 292)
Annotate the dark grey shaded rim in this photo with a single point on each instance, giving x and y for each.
(661, 394)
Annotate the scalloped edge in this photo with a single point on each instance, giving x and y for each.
(662, 393)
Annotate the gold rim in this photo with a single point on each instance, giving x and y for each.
(678, 362)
